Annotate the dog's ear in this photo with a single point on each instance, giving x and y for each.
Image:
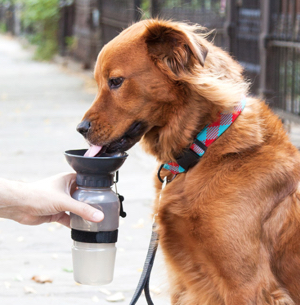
(173, 45)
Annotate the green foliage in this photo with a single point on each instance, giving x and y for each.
(145, 7)
(2, 27)
(71, 42)
(6, 2)
(42, 17)
(193, 4)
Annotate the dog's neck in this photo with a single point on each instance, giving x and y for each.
(169, 145)
(203, 140)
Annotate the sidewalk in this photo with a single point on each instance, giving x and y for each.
(40, 106)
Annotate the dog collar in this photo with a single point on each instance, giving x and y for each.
(203, 140)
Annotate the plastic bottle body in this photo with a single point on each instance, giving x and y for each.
(103, 199)
(93, 263)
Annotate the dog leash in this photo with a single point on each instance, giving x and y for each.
(145, 276)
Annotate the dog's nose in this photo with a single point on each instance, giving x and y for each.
(83, 127)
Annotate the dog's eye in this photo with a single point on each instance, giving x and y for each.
(115, 82)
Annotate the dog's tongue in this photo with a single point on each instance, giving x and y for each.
(93, 151)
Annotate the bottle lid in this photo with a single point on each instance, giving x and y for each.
(95, 180)
(94, 171)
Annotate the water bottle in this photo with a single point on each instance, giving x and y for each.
(94, 249)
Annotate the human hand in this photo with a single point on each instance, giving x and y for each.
(46, 201)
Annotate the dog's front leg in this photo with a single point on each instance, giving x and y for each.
(261, 288)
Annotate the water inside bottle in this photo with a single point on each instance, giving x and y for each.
(93, 264)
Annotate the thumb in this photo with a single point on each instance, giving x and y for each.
(85, 210)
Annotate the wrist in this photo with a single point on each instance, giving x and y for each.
(12, 195)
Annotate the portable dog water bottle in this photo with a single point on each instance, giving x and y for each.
(94, 247)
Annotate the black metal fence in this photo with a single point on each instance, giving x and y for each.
(264, 35)
(209, 13)
(283, 56)
(66, 26)
(244, 35)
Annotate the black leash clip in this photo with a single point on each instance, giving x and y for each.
(121, 198)
(123, 214)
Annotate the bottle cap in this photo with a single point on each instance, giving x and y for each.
(94, 171)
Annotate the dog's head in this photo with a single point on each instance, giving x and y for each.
(142, 78)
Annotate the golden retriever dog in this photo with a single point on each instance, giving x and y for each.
(229, 227)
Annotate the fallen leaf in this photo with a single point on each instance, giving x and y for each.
(105, 291)
(67, 270)
(41, 279)
(95, 299)
(155, 289)
(19, 278)
(28, 290)
(117, 297)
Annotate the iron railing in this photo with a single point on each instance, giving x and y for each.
(284, 55)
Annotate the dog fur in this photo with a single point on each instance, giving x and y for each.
(229, 227)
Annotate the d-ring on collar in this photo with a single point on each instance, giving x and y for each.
(160, 178)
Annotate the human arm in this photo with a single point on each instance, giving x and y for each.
(43, 201)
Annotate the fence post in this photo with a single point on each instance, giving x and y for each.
(263, 39)
(155, 8)
(230, 25)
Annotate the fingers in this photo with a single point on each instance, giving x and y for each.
(70, 179)
(62, 218)
(54, 192)
(85, 211)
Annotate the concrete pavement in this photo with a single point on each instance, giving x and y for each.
(40, 106)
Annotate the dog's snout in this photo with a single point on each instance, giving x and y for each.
(83, 127)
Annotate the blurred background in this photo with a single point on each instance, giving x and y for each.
(48, 49)
(264, 35)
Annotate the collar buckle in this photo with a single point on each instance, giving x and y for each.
(188, 159)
